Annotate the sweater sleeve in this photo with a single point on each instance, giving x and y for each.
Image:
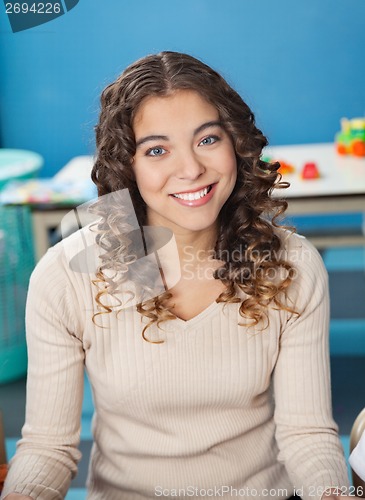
(47, 455)
(306, 433)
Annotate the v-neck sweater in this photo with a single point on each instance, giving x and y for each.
(218, 409)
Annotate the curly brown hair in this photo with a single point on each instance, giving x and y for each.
(247, 220)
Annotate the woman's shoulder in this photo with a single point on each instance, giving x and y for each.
(74, 255)
(297, 249)
(309, 276)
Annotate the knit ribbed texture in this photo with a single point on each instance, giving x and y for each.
(216, 405)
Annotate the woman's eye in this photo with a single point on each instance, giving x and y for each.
(157, 151)
(209, 140)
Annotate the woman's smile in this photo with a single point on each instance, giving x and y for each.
(196, 198)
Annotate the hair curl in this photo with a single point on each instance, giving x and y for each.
(248, 218)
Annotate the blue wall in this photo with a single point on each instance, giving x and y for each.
(299, 65)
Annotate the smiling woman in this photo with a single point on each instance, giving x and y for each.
(229, 393)
(186, 146)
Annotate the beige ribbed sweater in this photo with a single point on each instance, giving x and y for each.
(192, 417)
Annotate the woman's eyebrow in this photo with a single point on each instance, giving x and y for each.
(214, 123)
(151, 138)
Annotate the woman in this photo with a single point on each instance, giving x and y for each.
(218, 385)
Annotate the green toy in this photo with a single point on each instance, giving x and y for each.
(351, 138)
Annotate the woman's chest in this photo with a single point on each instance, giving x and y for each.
(192, 296)
(207, 361)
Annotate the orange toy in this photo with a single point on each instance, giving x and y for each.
(285, 168)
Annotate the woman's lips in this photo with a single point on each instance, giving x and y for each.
(200, 201)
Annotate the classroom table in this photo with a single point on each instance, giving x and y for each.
(339, 189)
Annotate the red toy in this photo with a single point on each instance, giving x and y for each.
(310, 171)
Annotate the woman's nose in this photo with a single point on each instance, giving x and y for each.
(189, 166)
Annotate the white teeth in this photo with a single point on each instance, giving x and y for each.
(192, 196)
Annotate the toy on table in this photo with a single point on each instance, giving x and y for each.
(351, 138)
(310, 171)
(285, 168)
(48, 191)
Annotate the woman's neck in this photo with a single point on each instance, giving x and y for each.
(188, 252)
(196, 247)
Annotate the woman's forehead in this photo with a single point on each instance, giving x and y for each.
(175, 107)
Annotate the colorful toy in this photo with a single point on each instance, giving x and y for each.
(285, 168)
(310, 171)
(351, 138)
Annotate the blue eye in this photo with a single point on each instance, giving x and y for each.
(207, 141)
(157, 151)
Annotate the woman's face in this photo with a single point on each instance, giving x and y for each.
(185, 163)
